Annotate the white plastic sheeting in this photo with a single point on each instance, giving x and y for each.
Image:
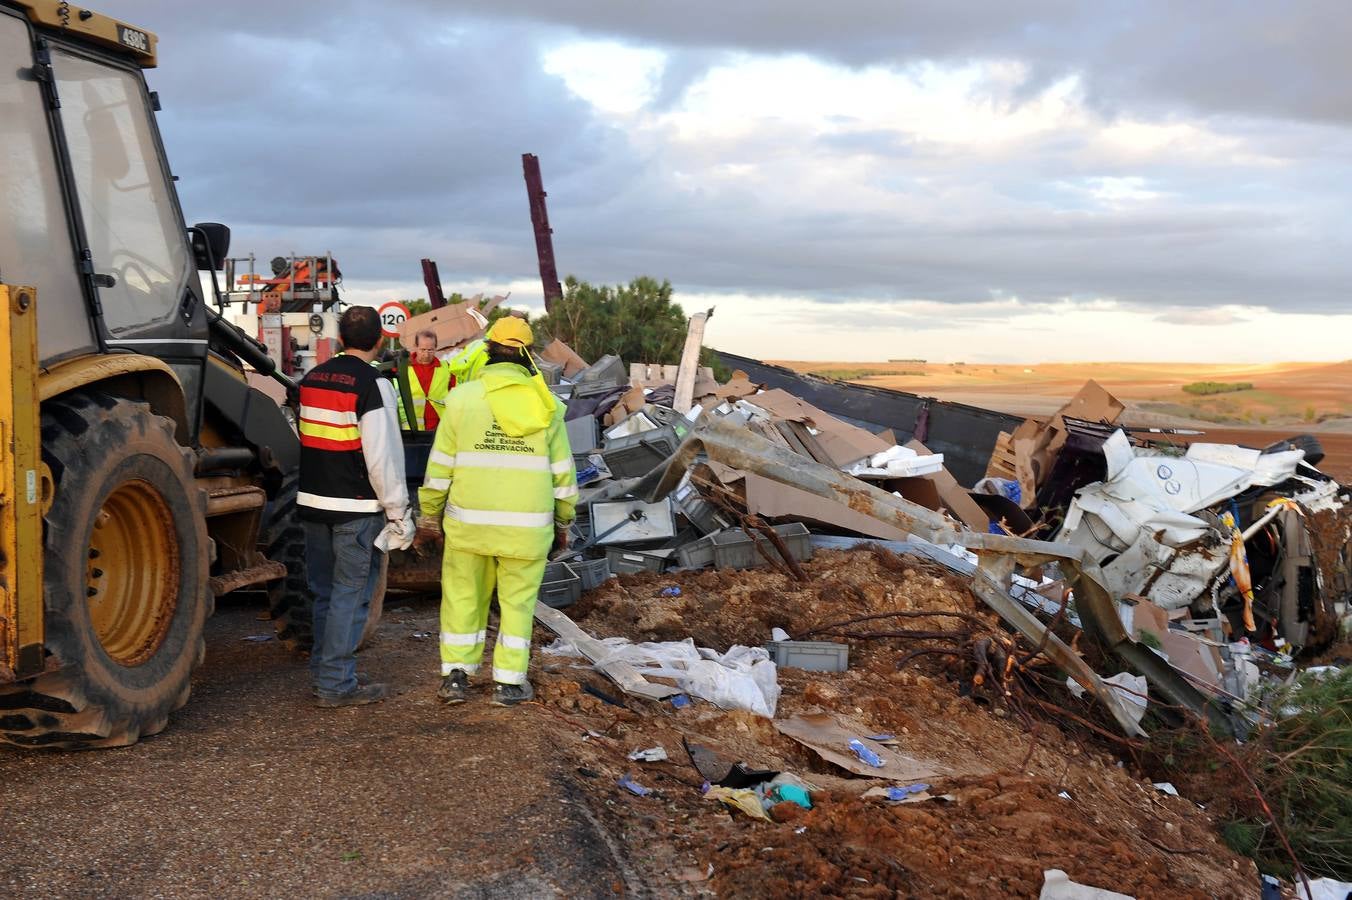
(742, 678)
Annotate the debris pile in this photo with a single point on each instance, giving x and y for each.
(809, 596)
(970, 798)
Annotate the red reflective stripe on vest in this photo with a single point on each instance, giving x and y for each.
(324, 398)
(319, 443)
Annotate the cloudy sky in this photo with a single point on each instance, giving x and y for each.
(866, 179)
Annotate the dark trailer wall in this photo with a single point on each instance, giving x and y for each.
(964, 434)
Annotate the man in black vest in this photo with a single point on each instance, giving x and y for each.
(353, 500)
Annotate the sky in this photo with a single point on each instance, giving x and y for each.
(1008, 182)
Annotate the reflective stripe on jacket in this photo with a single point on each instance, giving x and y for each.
(351, 460)
(441, 386)
(501, 471)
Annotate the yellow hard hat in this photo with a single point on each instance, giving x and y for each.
(511, 331)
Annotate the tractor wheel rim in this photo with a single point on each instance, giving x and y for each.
(132, 572)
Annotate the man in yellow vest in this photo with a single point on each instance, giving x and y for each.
(423, 384)
(501, 486)
(468, 362)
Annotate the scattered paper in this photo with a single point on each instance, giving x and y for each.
(634, 787)
(652, 754)
(1056, 885)
(828, 736)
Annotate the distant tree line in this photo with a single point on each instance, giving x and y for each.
(1204, 388)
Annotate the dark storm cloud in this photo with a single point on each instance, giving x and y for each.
(390, 132)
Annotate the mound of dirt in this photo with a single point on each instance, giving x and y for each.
(1005, 769)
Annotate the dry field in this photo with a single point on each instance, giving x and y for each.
(1285, 398)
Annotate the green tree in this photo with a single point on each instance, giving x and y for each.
(639, 322)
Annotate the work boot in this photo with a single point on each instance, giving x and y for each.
(512, 694)
(358, 696)
(453, 687)
(362, 679)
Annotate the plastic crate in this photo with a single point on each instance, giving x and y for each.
(583, 436)
(701, 513)
(814, 656)
(563, 391)
(550, 372)
(657, 524)
(594, 389)
(635, 455)
(665, 415)
(697, 554)
(609, 369)
(628, 562)
(593, 572)
(736, 550)
(561, 586)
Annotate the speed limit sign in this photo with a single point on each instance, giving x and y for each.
(392, 318)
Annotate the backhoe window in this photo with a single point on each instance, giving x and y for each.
(35, 246)
(130, 222)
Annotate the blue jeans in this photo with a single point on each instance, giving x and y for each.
(343, 566)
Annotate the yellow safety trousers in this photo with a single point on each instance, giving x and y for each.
(467, 583)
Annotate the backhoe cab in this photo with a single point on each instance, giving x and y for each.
(142, 476)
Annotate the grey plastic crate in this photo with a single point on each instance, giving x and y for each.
(593, 572)
(814, 656)
(701, 513)
(592, 388)
(657, 524)
(563, 391)
(609, 369)
(583, 435)
(664, 436)
(561, 586)
(628, 562)
(665, 415)
(736, 550)
(550, 372)
(635, 455)
(697, 554)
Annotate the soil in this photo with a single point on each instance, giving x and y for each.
(1007, 822)
(253, 790)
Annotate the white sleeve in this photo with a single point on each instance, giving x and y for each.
(383, 450)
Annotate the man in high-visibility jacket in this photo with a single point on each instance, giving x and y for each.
(501, 485)
(468, 362)
(427, 381)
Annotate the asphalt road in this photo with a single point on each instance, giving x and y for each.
(253, 791)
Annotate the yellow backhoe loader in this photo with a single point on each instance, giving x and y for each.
(140, 475)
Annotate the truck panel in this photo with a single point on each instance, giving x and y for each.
(21, 488)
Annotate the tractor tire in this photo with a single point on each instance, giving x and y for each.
(124, 580)
(289, 600)
(283, 540)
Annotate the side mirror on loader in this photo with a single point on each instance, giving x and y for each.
(210, 245)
